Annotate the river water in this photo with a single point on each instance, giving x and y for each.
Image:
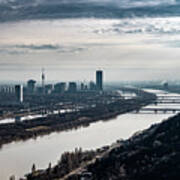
(17, 157)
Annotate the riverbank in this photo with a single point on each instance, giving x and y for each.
(150, 154)
(60, 122)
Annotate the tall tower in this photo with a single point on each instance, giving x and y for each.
(99, 80)
(43, 81)
(19, 93)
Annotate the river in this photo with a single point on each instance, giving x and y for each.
(17, 157)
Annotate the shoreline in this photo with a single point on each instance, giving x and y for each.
(144, 155)
(57, 123)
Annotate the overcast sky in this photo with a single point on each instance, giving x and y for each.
(128, 39)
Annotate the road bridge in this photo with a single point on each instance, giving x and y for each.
(170, 101)
(157, 110)
(168, 97)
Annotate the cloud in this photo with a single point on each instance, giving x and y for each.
(120, 3)
(10, 51)
(13, 10)
(146, 25)
(38, 47)
(50, 47)
(21, 49)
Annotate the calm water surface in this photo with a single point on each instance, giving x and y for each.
(17, 158)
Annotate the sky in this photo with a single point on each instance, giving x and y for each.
(71, 39)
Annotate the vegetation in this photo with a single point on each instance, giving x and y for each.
(152, 154)
(68, 162)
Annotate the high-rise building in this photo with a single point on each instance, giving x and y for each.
(72, 87)
(31, 86)
(43, 81)
(49, 88)
(19, 93)
(92, 86)
(60, 87)
(82, 86)
(99, 80)
(7, 89)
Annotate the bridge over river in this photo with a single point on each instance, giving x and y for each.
(158, 110)
(165, 103)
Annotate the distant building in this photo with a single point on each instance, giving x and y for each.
(7, 89)
(99, 80)
(19, 93)
(43, 81)
(92, 86)
(31, 86)
(49, 88)
(82, 86)
(11, 89)
(39, 90)
(86, 87)
(72, 87)
(60, 87)
(165, 85)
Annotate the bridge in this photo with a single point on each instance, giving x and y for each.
(157, 110)
(167, 101)
(164, 97)
(160, 99)
(168, 97)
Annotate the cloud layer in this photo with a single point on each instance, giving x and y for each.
(170, 25)
(11, 10)
(123, 34)
(21, 49)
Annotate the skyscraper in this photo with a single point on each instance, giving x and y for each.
(43, 81)
(99, 80)
(31, 86)
(72, 87)
(19, 93)
(92, 86)
(60, 87)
